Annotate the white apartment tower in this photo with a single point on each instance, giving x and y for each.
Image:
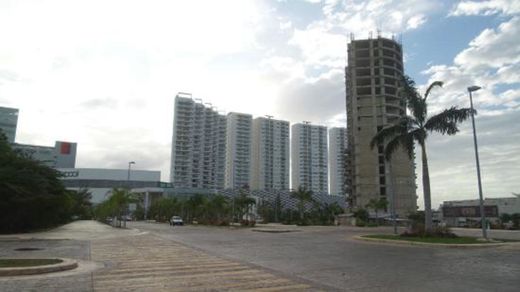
(309, 157)
(373, 76)
(270, 154)
(238, 150)
(337, 156)
(198, 145)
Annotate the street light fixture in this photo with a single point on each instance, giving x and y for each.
(129, 166)
(482, 214)
(128, 185)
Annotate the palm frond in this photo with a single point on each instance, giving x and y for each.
(419, 135)
(391, 147)
(414, 102)
(407, 141)
(446, 122)
(404, 141)
(386, 134)
(432, 86)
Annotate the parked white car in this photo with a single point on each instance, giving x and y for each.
(176, 220)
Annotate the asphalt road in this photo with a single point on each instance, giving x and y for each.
(329, 256)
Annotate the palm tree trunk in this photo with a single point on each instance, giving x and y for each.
(426, 190)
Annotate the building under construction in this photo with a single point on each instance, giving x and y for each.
(373, 75)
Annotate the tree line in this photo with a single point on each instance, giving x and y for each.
(221, 210)
(32, 196)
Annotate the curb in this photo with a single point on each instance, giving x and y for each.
(453, 245)
(67, 264)
(275, 230)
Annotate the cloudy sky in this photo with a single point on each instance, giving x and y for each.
(104, 73)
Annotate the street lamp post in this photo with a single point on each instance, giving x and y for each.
(128, 185)
(392, 206)
(129, 166)
(482, 214)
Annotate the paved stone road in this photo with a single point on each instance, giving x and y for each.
(328, 255)
(132, 261)
(157, 257)
(147, 262)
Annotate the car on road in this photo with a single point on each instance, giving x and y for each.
(176, 220)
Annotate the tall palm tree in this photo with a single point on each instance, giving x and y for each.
(303, 196)
(415, 128)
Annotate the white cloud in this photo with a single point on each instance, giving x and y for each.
(493, 48)
(319, 47)
(506, 7)
(492, 60)
(415, 21)
(323, 42)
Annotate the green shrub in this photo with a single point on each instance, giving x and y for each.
(418, 230)
(360, 223)
(361, 214)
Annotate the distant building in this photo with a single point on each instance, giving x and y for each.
(198, 145)
(270, 154)
(309, 157)
(8, 122)
(373, 76)
(337, 157)
(62, 155)
(101, 181)
(238, 150)
(467, 212)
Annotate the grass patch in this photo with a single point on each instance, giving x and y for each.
(458, 240)
(16, 263)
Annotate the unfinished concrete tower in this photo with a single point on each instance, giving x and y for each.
(373, 75)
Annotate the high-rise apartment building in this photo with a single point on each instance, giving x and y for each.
(238, 150)
(337, 157)
(309, 157)
(8, 122)
(270, 154)
(198, 145)
(373, 74)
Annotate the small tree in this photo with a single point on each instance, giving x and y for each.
(303, 196)
(505, 218)
(361, 215)
(218, 207)
(243, 204)
(82, 206)
(376, 205)
(120, 200)
(516, 220)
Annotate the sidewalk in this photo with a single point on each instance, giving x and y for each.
(492, 233)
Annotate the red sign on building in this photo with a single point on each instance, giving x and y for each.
(65, 148)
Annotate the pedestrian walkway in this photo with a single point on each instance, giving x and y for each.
(149, 263)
